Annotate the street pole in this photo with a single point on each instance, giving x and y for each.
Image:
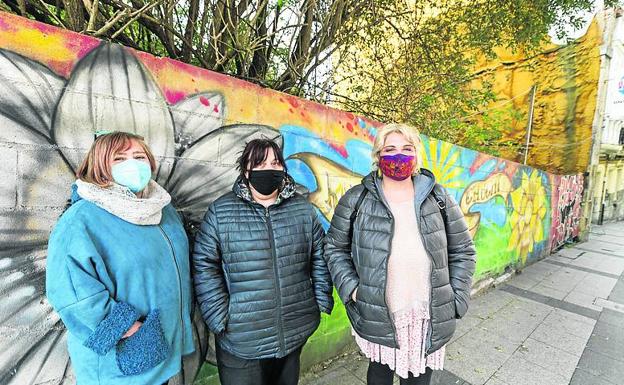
(604, 192)
(530, 124)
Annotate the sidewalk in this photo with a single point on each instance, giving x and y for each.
(559, 322)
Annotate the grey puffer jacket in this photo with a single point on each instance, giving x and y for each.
(259, 273)
(452, 259)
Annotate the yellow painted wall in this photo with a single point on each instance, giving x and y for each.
(567, 82)
(565, 102)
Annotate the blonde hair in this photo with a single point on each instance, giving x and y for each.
(96, 169)
(410, 134)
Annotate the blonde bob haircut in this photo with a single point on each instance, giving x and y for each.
(410, 134)
(96, 169)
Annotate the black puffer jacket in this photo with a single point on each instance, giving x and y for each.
(452, 255)
(259, 273)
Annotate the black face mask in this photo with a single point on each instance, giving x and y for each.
(266, 181)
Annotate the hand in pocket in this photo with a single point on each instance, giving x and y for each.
(133, 329)
(144, 349)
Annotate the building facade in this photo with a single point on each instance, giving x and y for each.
(606, 193)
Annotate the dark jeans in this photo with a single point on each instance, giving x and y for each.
(269, 371)
(379, 374)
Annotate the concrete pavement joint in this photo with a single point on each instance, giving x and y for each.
(557, 254)
(613, 234)
(581, 268)
(448, 377)
(600, 252)
(617, 294)
(563, 305)
(611, 242)
(609, 305)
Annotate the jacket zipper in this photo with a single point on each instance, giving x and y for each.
(277, 281)
(175, 261)
(383, 201)
(430, 329)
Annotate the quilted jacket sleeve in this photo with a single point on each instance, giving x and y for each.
(461, 254)
(208, 275)
(321, 279)
(338, 246)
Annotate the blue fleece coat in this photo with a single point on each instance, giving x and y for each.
(103, 274)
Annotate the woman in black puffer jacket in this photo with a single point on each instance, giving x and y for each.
(402, 260)
(260, 276)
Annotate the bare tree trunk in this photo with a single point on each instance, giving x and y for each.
(299, 55)
(22, 7)
(167, 10)
(75, 15)
(193, 13)
(259, 63)
(216, 49)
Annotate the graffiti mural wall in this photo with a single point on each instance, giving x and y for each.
(58, 88)
(566, 208)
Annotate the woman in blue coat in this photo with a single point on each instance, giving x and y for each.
(118, 270)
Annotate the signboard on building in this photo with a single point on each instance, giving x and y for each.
(615, 98)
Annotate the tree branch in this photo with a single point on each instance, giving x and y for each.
(193, 13)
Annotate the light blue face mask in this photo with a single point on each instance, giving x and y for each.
(133, 174)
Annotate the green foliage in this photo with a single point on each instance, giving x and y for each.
(486, 133)
(416, 63)
(392, 60)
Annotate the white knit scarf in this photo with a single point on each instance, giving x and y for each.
(123, 203)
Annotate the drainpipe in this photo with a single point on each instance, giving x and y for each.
(530, 124)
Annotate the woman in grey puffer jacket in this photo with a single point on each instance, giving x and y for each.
(402, 260)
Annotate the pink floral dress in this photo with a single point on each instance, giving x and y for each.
(408, 291)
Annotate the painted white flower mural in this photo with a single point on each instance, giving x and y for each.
(55, 120)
